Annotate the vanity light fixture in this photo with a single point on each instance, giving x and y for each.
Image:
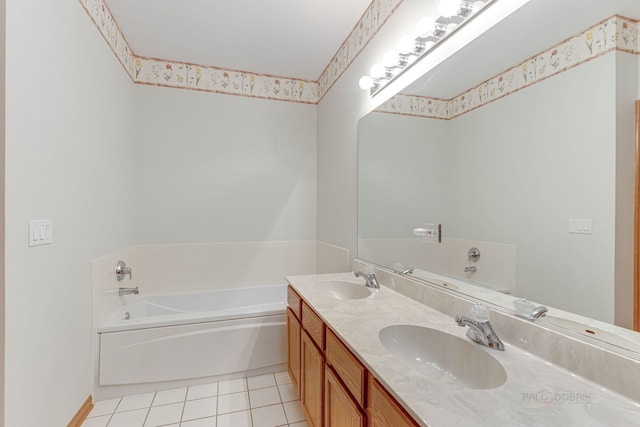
(428, 34)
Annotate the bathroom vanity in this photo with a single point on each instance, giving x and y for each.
(330, 380)
(360, 357)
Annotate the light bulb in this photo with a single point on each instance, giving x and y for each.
(448, 8)
(366, 82)
(425, 27)
(406, 44)
(390, 59)
(377, 71)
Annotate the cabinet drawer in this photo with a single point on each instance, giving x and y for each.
(383, 410)
(294, 302)
(313, 324)
(348, 368)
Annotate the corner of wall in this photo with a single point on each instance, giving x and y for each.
(3, 20)
(331, 258)
(627, 92)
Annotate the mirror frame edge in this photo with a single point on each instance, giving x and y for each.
(636, 233)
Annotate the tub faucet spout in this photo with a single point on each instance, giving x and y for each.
(128, 291)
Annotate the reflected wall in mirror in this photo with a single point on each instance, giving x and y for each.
(514, 164)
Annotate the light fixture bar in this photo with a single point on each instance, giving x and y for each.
(430, 34)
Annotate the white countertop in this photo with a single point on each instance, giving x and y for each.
(536, 393)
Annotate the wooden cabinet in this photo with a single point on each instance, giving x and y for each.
(334, 387)
(340, 409)
(382, 408)
(312, 381)
(293, 349)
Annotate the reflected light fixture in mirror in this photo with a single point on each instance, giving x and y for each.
(428, 33)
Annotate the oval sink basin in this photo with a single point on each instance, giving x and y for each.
(442, 357)
(344, 290)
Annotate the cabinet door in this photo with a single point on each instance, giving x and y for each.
(349, 369)
(383, 410)
(312, 381)
(293, 350)
(340, 408)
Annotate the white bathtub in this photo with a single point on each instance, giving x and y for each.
(170, 337)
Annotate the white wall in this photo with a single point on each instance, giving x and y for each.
(221, 168)
(529, 162)
(69, 158)
(338, 114)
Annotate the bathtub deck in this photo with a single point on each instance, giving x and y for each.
(262, 401)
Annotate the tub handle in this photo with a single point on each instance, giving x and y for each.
(122, 270)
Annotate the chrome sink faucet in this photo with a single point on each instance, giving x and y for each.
(480, 329)
(369, 276)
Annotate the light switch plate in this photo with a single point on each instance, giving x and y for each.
(580, 226)
(40, 232)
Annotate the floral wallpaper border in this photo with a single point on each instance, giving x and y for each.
(103, 20)
(158, 72)
(182, 75)
(376, 15)
(615, 33)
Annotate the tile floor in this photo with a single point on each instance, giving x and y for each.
(263, 401)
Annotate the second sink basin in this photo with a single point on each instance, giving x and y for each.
(344, 290)
(442, 357)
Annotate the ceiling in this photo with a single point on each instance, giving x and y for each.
(298, 38)
(288, 38)
(537, 26)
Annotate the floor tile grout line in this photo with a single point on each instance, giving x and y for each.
(250, 405)
(148, 410)
(184, 404)
(109, 420)
(247, 390)
(104, 415)
(286, 417)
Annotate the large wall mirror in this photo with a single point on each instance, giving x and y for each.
(521, 145)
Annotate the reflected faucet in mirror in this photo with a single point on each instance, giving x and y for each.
(400, 269)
